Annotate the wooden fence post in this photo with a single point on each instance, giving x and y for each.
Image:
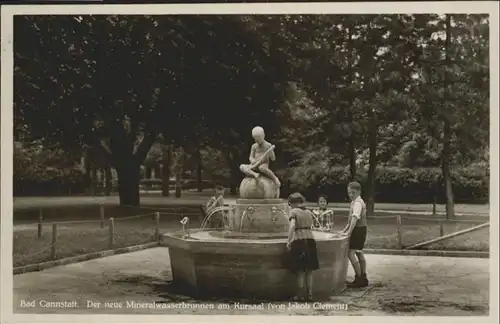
(157, 229)
(101, 212)
(441, 228)
(111, 232)
(40, 220)
(54, 240)
(400, 236)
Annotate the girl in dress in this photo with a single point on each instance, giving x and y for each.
(301, 245)
(323, 214)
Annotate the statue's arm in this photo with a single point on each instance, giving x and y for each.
(252, 154)
(272, 156)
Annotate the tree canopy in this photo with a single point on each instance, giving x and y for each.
(349, 91)
(120, 81)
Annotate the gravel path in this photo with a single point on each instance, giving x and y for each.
(400, 285)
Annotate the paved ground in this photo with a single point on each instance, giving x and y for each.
(198, 198)
(401, 285)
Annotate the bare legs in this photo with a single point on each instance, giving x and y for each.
(362, 262)
(247, 169)
(301, 276)
(264, 169)
(309, 283)
(358, 262)
(304, 280)
(354, 262)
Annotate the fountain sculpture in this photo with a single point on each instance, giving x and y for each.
(248, 258)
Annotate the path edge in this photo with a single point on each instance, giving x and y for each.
(80, 258)
(436, 253)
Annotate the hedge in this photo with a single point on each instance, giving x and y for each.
(392, 185)
(401, 185)
(70, 184)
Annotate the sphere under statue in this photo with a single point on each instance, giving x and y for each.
(258, 188)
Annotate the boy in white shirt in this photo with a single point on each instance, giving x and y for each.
(356, 229)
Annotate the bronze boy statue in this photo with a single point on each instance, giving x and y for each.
(261, 153)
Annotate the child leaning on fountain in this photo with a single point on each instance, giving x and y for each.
(323, 214)
(216, 220)
(301, 245)
(356, 229)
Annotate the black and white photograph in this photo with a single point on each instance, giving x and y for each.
(272, 159)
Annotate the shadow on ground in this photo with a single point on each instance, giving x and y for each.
(168, 292)
(415, 305)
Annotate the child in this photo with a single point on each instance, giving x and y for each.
(323, 214)
(302, 245)
(356, 230)
(217, 219)
(259, 159)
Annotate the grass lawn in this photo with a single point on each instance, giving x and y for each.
(82, 238)
(193, 197)
(382, 234)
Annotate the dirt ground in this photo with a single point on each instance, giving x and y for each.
(132, 283)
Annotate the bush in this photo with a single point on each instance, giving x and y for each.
(72, 183)
(402, 185)
(42, 171)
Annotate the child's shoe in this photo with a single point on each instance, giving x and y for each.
(364, 280)
(355, 283)
(359, 282)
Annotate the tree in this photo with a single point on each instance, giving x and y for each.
(358, 70)
(452, 90)
(102, 81)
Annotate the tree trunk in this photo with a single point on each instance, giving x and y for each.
(352, 158)
(109, 181)
(235, 173)
(434, 196)
(445, 165)
(102, 180)
(178, 173)
(88, 171)
(445, 168)
(165, 173)
(235, 180)
(351, 141)
(93, 181)
(372, 168)
(156, 172)
(128, 182)
(199, 168)
(148, 172)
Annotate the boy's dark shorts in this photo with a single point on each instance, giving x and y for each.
(357, 238)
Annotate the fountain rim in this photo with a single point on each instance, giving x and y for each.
(224, 240)
(260, 201)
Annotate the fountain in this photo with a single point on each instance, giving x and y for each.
(248, 257)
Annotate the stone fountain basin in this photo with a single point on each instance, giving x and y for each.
(250, 265)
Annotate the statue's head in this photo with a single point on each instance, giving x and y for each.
(258, 134)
